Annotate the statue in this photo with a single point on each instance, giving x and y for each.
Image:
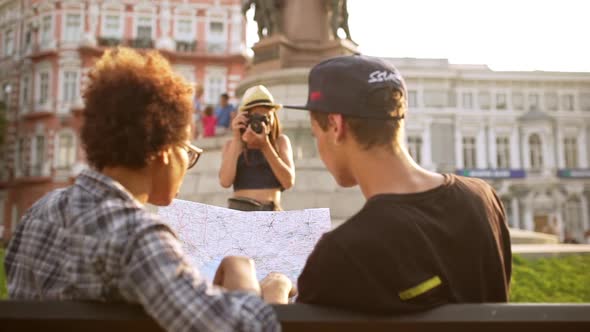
(267, 15)
(339, 20)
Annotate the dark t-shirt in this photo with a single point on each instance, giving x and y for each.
(403, 253)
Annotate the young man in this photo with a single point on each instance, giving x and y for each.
(224, 114)
(95, 240)
(422, 239)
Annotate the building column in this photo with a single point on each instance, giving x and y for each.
(458, 147)
(515, 159)
(547, 143)
(527, 222)
(426, 146)
(525, 152)
(584, 214)
(480, 142)
(515, 217)
(560, 151)
(492, 160)
(582, 155)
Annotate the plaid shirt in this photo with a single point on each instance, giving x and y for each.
(94, 241)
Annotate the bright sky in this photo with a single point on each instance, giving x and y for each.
(504, 34)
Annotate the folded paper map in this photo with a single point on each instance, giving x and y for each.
(277, 241)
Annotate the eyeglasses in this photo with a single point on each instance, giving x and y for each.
(193, 152)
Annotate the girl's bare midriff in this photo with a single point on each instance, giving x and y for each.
(261, 195)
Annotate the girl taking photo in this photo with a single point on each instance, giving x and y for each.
(257, 160)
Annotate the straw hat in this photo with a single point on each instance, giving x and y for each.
(258, 96)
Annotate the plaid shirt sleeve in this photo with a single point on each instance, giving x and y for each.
(177, 298)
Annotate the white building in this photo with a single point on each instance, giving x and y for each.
(527, 133)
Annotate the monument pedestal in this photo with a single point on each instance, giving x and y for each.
(282, 61)
(278, 52)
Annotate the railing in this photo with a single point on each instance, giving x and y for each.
(184, 46)
(112, 317)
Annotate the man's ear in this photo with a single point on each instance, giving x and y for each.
(163, 156)
(337, 125)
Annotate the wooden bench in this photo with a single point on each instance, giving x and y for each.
(90, 317)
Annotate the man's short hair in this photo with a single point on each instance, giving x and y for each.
(224, 96)
(135, 106)
(369, 132)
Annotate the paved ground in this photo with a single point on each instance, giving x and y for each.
(550, 250)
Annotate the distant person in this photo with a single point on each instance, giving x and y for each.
(422, 239)
(198, 110)
(258, 159)
(96, 241)
(209, 122)
(224, 114)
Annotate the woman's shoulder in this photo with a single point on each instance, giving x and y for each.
(283, 139)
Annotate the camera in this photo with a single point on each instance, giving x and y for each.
(255, 122)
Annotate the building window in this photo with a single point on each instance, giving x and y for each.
(571, 152)
(46, 29)
(567, 102)
(215, 87)
(28, 37)
(415, 148)
(73, 27)
(38, 155)
(70, 86)
(112, 25)
(533, 101)
(501, 101)
(8, 42)
(469, 153)
(184, 29)
(536, 152)
(574, 225)
(216, 38)
(467, 100)
(144, 28)
(412, 98)
(43, 88)
(24, 95)
(503, 152)
(66, 150)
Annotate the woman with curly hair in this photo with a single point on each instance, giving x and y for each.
(95, 240)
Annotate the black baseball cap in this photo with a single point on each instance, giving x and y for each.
(343, 85)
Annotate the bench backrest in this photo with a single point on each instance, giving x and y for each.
(112, 317)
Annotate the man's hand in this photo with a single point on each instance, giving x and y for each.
(254, 140)
(237, 273)
(277, 288)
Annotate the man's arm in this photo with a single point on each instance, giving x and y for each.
(160, 278)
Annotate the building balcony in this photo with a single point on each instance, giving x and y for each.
(43, 107)
(186, 47)
(45, 45)
(216, 47)
(141, 43)
(109, 41)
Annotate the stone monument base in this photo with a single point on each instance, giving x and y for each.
(278, 52)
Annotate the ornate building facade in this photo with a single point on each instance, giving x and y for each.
(527, 133)
(47, 47)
